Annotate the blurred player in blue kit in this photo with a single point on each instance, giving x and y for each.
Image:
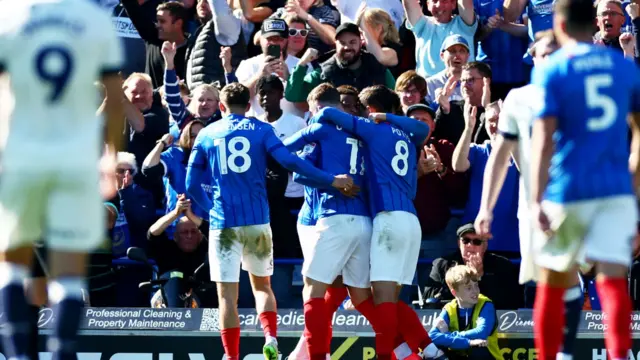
(234, 151)
(582, 191)
(390, 147)
(53, 52)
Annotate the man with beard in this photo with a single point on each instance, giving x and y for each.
(349, 66)
(275, 32)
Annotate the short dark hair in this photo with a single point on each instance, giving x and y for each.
(235, 95)
(270, 80)
(177, 11)
(324, 93)
(380, 97)
(483, 68)
(348, 90)
(579, 14)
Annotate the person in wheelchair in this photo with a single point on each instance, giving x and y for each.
(186, 252)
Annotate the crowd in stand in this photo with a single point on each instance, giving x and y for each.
(450, 63)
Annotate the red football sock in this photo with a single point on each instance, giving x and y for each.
(269, 321)
(548, 318)
(387, 329)
(315, 328)
(333, 298)
(411, 329)
(368, 310)
(231, 342)
(616, 303)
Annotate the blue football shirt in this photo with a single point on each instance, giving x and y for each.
(308, 215)
(234, 151)
(590, 90)
(336, 152)
(175, 166)
(390, 156)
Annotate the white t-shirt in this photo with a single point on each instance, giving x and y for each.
(287, 125)
(54, 51)
(349, 9)
(249, 68)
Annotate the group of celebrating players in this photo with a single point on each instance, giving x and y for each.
(358, 222)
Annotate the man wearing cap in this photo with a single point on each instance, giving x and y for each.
(438, 190)
(498, 275)
(274, 32)
(454, 54)
(348, 66)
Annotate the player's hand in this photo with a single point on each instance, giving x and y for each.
(540, 219)
(308, 57)
(378, 117)
(351, 193)
(486, 92)
(478, 343)
(225, 57)
(342, 182)
(470, 113)
(483, 223)
(168, 51)
(633, 10)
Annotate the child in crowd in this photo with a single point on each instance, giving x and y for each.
(467, 326)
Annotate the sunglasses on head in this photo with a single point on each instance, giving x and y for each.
(301, 32)
(475, 242)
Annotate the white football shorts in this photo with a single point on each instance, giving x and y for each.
(600, 230)
(63, 207)
(395, 247)
(248, 246)
(337, 245)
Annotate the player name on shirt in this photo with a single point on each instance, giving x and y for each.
(241, 126)
(57, 22)
(401, 133)
(593, 62)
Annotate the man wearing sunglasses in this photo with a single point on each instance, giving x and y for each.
(498, 276)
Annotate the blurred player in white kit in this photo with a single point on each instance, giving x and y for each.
(51, 54)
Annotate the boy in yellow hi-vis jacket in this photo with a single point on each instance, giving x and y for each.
(467, 326)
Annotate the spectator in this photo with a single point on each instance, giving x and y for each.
(136, 205)
(187, 251)
(476, 81)
(381, 38)
(171, 162)
(455, 55)
(501, 45)
(132, 43)
(633, 10)
(349, 9)
(431, 31)
(146, 125)
(322, 21)
(283, 211)
(497, 276)
(467, 326)
(349, 66)
(350, 100)
(411, 89)
(169, 26)
(539, 15)
(274, 32)
(438, 190)
(221, 29)
(473, 158)
(205, 97)
(610, 18)
(298, 34)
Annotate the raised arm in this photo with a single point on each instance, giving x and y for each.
(466, 11)
(303, 137)
(512, 9)
(177, 107)
(361, 127)
(142, 21)
(227, 27)
(417, 129)
(413, 10)
(460, 159)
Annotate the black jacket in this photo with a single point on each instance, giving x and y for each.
(499, 281)
(370, 73)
